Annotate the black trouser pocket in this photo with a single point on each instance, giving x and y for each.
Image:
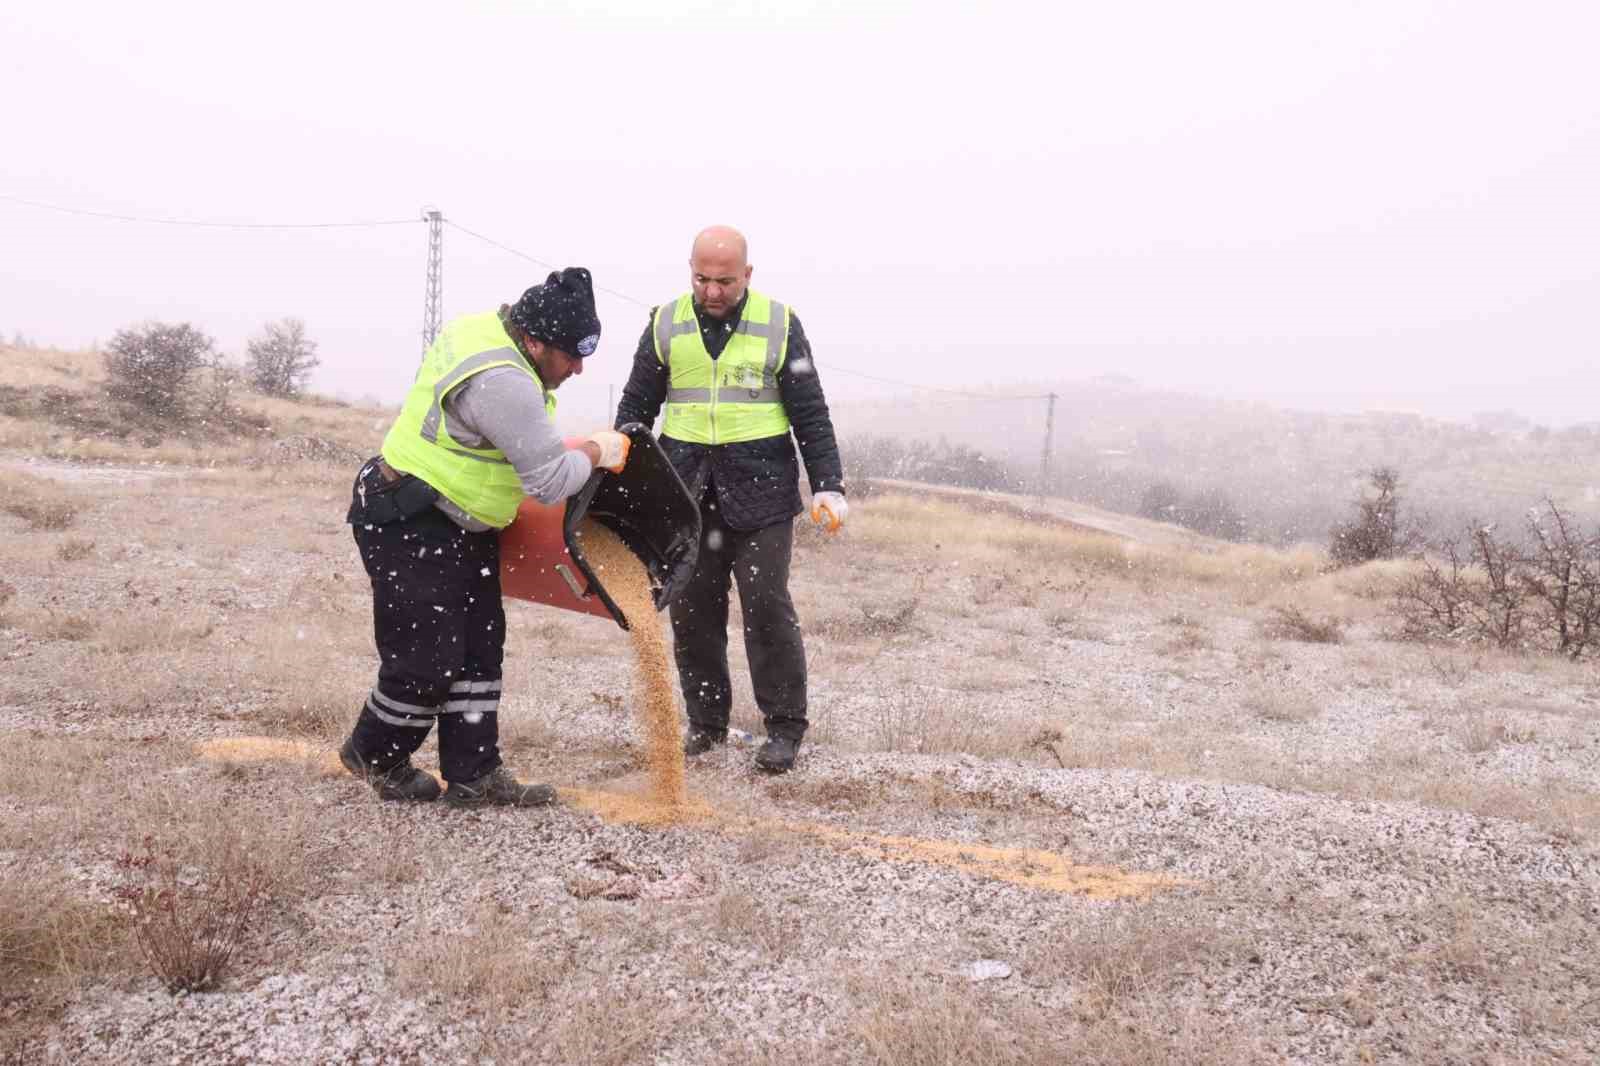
(376, 502)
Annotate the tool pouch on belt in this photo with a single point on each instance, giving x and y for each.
(376, 500)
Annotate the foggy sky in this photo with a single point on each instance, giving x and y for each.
(1325, 205)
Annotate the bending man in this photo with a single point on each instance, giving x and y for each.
(476, 433)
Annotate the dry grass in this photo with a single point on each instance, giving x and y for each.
(73, 549)
(1291, 623)
(238, 606)
(905, 1020)
(43, 505)
(925, 720)
(1275, 703)
(742, 920)
(49, 933)
(497, 960)
(1124, 954)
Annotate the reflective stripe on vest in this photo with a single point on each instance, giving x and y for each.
(734, 397)
(481, 481)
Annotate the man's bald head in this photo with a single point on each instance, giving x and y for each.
(719, 269)
(720, 240)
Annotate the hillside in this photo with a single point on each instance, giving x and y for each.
(1291, 474)
(1068, 796)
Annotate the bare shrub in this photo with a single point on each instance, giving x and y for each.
(280, 360)
(189, 920)
(73, 548)
(1291, 623)
(1562, 572)
(1545, 594)
(1375, 532)
(1434, 603)
(151, 366)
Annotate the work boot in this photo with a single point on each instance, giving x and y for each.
(498, 788)
(777, 755)
(699, 741)
(402, 782)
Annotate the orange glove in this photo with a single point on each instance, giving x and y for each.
(828, 510)
(613, 447)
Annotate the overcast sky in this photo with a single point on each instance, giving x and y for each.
(1328, 205)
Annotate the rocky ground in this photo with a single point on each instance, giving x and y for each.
(1066, 799)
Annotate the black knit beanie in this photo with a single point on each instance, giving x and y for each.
(561, 312)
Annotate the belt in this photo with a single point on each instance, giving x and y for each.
(388, 473)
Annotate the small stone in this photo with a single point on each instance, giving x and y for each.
(988, 970)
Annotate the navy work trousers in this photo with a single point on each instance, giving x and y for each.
(759, 562)
(440, 629)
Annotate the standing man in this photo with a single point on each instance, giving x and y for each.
(475, 434)
(733, 367)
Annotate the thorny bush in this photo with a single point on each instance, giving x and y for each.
(1542, 594)
(189, 921)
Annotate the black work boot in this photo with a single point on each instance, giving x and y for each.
(700, 740)
(777, 755)
(402, 782)
(498, 788)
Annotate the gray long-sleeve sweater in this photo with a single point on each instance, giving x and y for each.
(503, 408)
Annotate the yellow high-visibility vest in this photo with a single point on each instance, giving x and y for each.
(480, 481)
(733, 397)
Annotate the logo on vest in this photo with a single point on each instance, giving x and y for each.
(589, 344)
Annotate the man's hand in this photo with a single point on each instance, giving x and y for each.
(828, 510)
(612, 448)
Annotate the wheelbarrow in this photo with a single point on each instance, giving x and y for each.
(646, 506)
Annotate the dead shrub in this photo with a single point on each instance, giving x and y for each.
(42, 514)
(72, 549)
(1291, 623)
(190, 919)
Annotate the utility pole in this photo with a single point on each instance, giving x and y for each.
(1049, 432)
(431, 302)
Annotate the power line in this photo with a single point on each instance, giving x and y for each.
(963, 393)
(209, 225)
(541, 262)
(431, 311)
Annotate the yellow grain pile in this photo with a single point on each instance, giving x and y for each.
(628, 583)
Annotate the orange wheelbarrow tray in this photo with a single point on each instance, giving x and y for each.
(647, 506)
